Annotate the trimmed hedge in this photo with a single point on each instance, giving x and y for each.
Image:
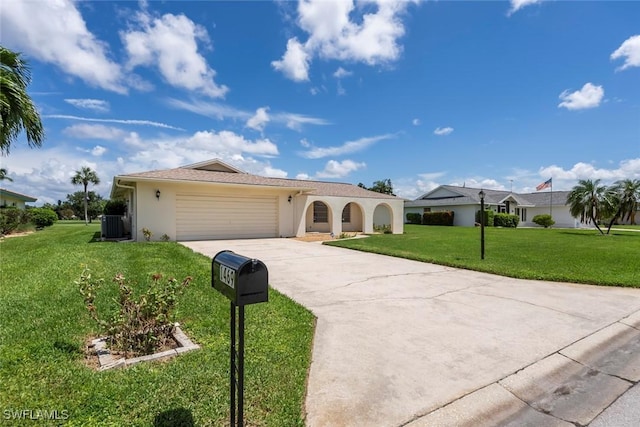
(414, 218)
(488, 217)
(438, 218)
(115, 207)
(506, 220)
(11, 218)
(543, 220)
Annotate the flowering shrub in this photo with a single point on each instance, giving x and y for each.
(139, 326)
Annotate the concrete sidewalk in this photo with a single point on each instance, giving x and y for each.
(400, 342)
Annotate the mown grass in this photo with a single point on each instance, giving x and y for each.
(580, 256)
(44, 327)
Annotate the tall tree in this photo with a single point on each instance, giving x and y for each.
(586, 200)
(85, 176)
(17, 111)
(625, 198)
(3, 175)
(383, 186)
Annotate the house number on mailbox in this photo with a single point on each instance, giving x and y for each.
(227, 276)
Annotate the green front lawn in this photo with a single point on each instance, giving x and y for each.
(581, 256)
(44, 324)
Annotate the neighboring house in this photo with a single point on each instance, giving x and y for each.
(213, 200)
(465, 202)
(11, 198)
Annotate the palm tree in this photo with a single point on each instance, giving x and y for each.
(625, 194)
(3, 175)
(586, 200)
(85, 176)
(17, 111)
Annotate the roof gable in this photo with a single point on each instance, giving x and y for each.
(213, 165)
(19, 196)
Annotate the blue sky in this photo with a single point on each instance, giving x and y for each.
(495, 94)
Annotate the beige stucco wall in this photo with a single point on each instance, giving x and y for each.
(6, 200)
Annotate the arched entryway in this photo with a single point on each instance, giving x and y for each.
(383, 218)
(352, 218)
(318, 217)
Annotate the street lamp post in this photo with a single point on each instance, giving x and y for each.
(481, 194)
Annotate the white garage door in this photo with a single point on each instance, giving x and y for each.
(204, 217)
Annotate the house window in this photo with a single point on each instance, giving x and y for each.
(320, 212)
(346, 213)
(426, 210)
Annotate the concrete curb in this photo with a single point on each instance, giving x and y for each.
(569, 387)
(109, 361)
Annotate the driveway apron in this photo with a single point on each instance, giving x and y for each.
(398, 339)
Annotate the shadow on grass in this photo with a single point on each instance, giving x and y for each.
(618, 234)
(179, 417)
(67, 348)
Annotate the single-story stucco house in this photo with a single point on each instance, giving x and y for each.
(11, 198)
(465, 202)
(213, 200)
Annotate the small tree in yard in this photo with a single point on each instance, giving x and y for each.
(544, 220)
(42, 217)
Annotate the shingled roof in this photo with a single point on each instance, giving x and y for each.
(201, 172)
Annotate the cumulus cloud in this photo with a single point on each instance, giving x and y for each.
(303, 176)
(230, 142)
(341, 73)
(443, 131)
(170, 43)
(274, 172)
(55, 32)
(346, 148)
(627, 169)
(87, 131)
(118, 121)
(335, 169)
(630, 51)
(340, 30)
(98, 105)
(98, 151)
(259, 120)
(415, 122)
(589, 96)
(305, 143)
(294, 63)
(516, 5)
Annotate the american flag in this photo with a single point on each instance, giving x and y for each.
(544, 185)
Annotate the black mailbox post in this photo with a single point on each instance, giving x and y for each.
(243, 281)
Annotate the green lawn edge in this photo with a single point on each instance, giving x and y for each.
(560, 255)
(44, 327)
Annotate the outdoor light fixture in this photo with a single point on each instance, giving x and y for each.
(481, 194)
(158, 194)
(289, 199)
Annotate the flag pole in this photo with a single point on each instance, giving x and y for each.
(551, 198)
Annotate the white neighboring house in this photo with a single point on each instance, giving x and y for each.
(213, 200)
(465, 202)
(11, 198)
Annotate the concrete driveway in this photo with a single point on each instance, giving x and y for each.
(400, 342)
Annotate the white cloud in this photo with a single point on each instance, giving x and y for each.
(87, 131)
(98, 105)
(443, 131)
(259, 120)
(119, 121)
(170, 42)
(305, 143)
(98, 151)
(294, 63)
(343, 31)
(341, 73)
(221, 111)
(274, 173)
(230, 143)
(630, 51)
(303, 176)
(335, 169)
(589, 96)
(346, 148)
(55, 32)
(415, 122)
(627, 169)
(519, 4)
